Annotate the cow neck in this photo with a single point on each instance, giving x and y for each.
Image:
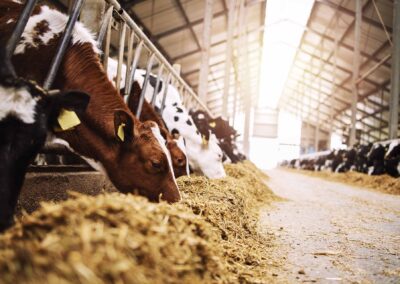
(83, 71)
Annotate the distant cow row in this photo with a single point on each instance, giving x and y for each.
(372, 159)
(91, 118)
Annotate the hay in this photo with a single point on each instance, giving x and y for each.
(382, 183)
(210, 237)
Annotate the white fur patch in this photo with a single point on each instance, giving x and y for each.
(161, 141)
(93, 163)
(18, 103)
(391, 147)
(56, 25)
(10, 21)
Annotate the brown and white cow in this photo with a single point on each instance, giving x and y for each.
(132, 153)
(178, 154)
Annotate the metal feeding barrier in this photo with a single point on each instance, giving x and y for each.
(137, 43)
(135, 36)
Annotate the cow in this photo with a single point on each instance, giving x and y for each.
(109, 137)
(348, 161)
(205, 156)
(376, 163)
(392, 159)
(27, 112)
(176, 147)
(225, 134)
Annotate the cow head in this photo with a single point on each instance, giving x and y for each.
(26, 114)
(174, 144)
(140, 160)
(207, 157)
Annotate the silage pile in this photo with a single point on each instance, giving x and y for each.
(384, 183)
(210, 237)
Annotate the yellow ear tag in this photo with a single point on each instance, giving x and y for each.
(68, 119)
(121, 133)
(212, 124)
(204, 140)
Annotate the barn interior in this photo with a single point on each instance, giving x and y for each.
(311, 192)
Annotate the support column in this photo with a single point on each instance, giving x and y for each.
(395, 80)
(228, 61)
(356, 70)
(247, 96)
(205, 51)
(92, 13)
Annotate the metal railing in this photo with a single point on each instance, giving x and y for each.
(137, 36)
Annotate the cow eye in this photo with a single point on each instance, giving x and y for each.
(156, 165)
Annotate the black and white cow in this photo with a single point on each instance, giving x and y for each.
(26, 115)
(225, 134)
(392, 159)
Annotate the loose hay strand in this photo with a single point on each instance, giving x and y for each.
(210, 237)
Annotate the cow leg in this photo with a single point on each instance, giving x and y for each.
(11, 182)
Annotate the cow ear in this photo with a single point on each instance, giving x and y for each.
(73, 101)
(123, 126)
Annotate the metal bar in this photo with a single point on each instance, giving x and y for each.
(155, 92)
(395, 79)
(131, 40)
(205, 51)
(8, 68)
(104, 26)
(121, 50)
(129, 81)
(107, 44)
(165, 93)
(382, 22)
(356, 70)
(144, 87)
(229, 43)
(140, 34)
(373, 68)
(62, 47)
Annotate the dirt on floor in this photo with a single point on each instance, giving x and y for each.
(329, 232)
(383, 183)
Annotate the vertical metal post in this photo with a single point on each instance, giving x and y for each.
(107, 43)
(144, 87)
(395, 80)
(155, 92)
(129, 81)
(356, 70)
(120, 53)
(92, 13)
(62, 45)
(228, 61)
(205, 50)
(247, 96)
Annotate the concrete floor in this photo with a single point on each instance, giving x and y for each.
(329, 232)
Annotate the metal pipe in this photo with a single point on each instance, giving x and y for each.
(129, 81)
(356, 69)
(155, 92)
(104, 26)
(131, 40)
(121, 50)
(125, 16)
(144, 87)
(8, 68)
(395, 80)
(373, 68)
(165, 93)
(107, 45)
(62, 47)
